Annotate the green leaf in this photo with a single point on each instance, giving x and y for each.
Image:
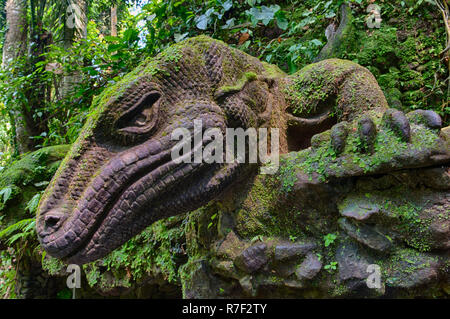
(114, 47)
(330, 15)
(227, 5)
(307, 21)
(180, 37)
(111, 38)
(316, 42)
(23, 225)
(282, 22)
(264, 14)
(131, 35)
(33, 203)
(15, 238)
(329, 239)
(228, 24)
(44, 253)
(6, 193)
(202, 22)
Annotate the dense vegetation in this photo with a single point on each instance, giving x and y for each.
(49, 80)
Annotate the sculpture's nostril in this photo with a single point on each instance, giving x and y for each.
(52, 220)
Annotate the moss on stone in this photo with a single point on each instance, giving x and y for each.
(389, 151)
(153, 252)
(340, 87)
(254, 216)
(240, 84)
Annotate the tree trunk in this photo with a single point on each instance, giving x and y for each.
(14, 47)
(114, 21)
(72, 33)
(16, 36)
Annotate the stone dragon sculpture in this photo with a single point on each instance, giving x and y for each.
(119, 178)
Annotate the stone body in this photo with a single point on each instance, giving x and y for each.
(118, 178)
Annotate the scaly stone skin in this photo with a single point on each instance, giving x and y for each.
(119, 177)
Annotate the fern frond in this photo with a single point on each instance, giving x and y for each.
(33, 203)
(24, 225)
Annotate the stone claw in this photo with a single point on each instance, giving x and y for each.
(396, 121)
(393, 120)
(339, 133)
(367, 132)
(425, 117)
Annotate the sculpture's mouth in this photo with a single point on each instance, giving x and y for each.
(63, 230)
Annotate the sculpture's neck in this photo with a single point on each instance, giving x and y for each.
(275, 116)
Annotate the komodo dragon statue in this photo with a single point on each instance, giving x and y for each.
(119, 177)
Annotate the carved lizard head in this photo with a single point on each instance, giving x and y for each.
(119, 177)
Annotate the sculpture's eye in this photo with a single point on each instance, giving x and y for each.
(142, 117)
